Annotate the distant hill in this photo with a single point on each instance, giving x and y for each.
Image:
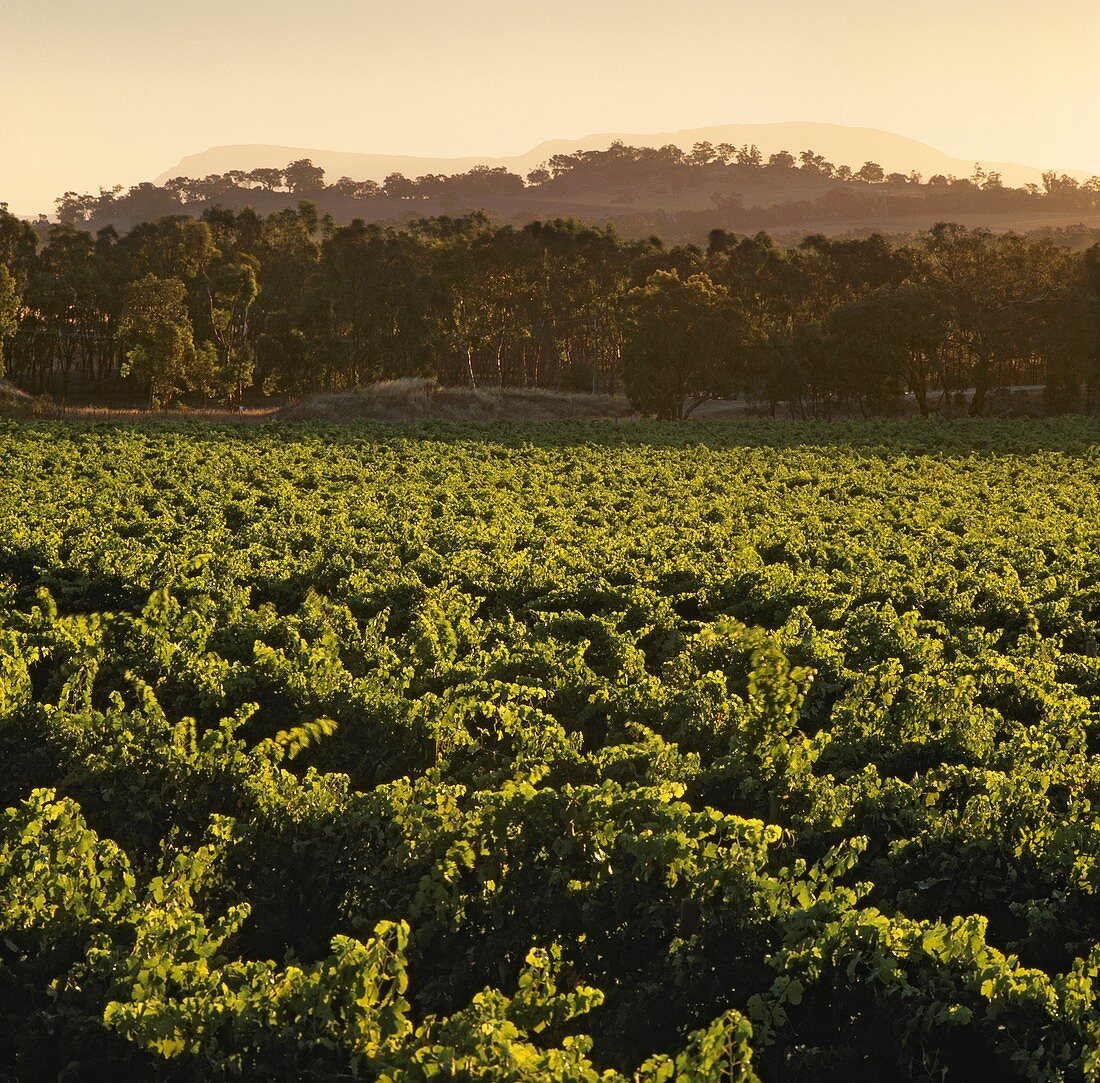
(633, 181)
(840, 144)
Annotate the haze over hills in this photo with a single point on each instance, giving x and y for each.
(840, 144)
(822, 185)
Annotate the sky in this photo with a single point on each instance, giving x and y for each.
(102, 92)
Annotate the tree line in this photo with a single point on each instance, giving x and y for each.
(622, 172)
(235, 303)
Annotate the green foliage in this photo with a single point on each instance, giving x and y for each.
(681, 343)
(639, 753)
(292, 302)
(156, 328)
(9, 309)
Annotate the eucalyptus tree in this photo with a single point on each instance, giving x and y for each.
(9, 310)
(683, 342)
(997, 291)
(159, 338)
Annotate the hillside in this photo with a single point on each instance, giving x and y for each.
(838, 143)
(819, 178)
(788, 205)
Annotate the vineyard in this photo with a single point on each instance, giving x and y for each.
(570, 751)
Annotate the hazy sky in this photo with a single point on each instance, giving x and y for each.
(98, 92)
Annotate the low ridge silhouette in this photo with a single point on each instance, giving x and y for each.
(837, 142)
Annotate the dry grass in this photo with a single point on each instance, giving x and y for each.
(424, 400)
(12, 398)
(16, 403)
(46, 409)
(408, 399)
(414, 399)
(53, 411)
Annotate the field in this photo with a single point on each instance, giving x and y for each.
(565, 751)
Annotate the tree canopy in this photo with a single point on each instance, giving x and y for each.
(239, 302)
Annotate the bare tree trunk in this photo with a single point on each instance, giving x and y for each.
(981, 387)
